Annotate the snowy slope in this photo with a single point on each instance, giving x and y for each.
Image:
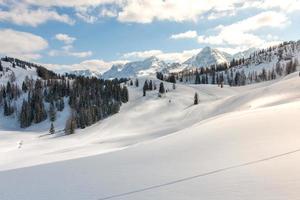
(146, 67)
(207, 57)
(19, 73)
(238, 143)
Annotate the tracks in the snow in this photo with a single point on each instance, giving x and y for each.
(198, 176)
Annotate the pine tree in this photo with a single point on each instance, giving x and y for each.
(124, 95)
(145, 88)
(196, 98)
(60, 104)
(70, 125)
(162, 88)
(6, 108)
(24, 87)
(136, 82)
(25, 115)
(150, 86)
(52, 130)
(1, 68)
(52, 112)
(197, 79)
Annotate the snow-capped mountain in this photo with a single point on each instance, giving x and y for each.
(207, 57)
(146, 67)
(86, 73)
(244, 54)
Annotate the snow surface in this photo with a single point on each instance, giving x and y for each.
(238, 143)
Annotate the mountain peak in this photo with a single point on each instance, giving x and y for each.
(207, 57)
(148, 66)
(206, 49)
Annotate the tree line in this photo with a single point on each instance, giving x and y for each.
(34, 101)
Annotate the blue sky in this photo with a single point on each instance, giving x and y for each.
(94, 34)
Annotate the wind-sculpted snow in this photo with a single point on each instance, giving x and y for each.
(237, 143)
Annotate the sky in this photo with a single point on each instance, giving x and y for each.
(95, 34)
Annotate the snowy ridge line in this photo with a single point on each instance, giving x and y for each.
(199, 175)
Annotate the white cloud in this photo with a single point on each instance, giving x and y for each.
(97, 65)
(82, 54)
(178, 56)
(169, 56)
(141, 54)
(65, 38)
(94, 65)
(85, 14)
(21, 44)
(145, 11)
(70, 3)
(241, 33)
(105, 12)
(141, 11)
(219, 14)
(185, 35)
(284, 6)
(67, 49)
(68, 52)
(21, 14)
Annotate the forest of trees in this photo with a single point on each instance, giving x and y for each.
(90, 99)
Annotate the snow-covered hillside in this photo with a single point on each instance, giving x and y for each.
(237, 143)
(16, 74)
(207, 57)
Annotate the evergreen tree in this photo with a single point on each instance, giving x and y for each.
(60, 104)
(145, 88)
(124, 95)
(196, 98)
(172, 79)
(1, 68)
(6, 108)
(70, 125)
(197, 79)
(25, 115)
(52, 112)
(52, 130)
(150, 86)
(24, 87)
(162, 88)
(136, 82)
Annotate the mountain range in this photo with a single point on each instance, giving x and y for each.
(206, 57)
